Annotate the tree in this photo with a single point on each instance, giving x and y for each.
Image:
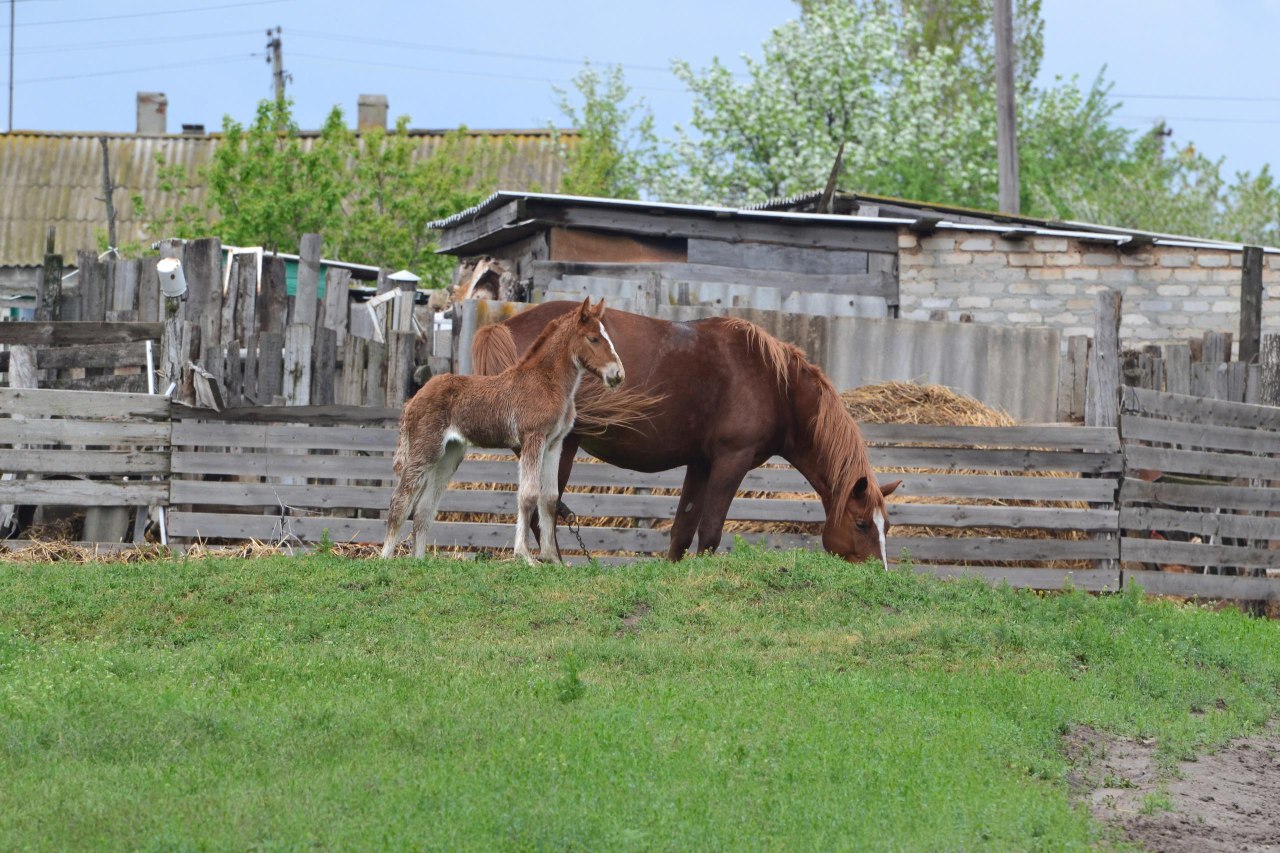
(369, 195)
(612, 139)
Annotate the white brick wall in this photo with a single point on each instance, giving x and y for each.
(1170, 293)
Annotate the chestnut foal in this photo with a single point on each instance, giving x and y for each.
(528, 407)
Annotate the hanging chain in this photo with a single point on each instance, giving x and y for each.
(571, 521)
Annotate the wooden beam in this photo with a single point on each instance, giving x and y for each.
(66, 334)
(1102, 406)
(1251, 296)
(463, 233)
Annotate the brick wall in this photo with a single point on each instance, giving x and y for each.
(1170, 293)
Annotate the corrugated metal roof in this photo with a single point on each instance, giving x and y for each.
(900, 212)
(56, 179)
(959, 217)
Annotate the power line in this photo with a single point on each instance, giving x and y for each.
(87, 45)
(497, 54)
(1238, 98)
(213, 60)
(455, 71)
(1194, 118)
(151, 14)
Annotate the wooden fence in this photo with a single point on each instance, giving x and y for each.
(1035, 506)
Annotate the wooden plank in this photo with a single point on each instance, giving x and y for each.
(1006, 487)
(66, 334)
(308, 286)
(463, 233)
(1197, 554)
(1199, 435)
(86, 462)
(249, 378)
(305, 415)
(1104, 367)
(337, 298)
(1089, 580)
(231, 299)
(1204, 586)
(276, 465)
(270, 367)
(90, 493)
(1040, 436)
(128, 384)
(81, 404)
(1177, 368)
(124, 291)
(545, 273)
(948, 458)
(23, 370)
(132, 354)
(273, 300)
(237, 435)
(400, 349)
(202, 265)
(1202, 463)
(354, 353)
(1179, 494)
(992, 549)
(233, 374)
(245, 281)
(375, 390)
(297, 364)
(91, 283)
(150, 300)
(1020, 518)
(324, 359)
(739, 229)
(65, 431)
(1199, 409)
(774, 258)
(1217, 525)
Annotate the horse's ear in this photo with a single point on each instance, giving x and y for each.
(890, 488)
(598, 311)
(860, 488)
(584, 310)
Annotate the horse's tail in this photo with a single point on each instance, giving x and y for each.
(598, 409)
(493, 349)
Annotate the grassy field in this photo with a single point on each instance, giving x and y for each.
(749, 701)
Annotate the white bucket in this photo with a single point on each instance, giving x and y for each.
(172, 281)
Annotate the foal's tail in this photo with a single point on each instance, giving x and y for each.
(493, 350)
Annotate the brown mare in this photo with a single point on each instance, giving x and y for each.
(728, 396)
(529, 407)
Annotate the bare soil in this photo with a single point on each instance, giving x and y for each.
(1227, 800)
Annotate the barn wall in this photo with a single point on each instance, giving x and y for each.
(1170, 293)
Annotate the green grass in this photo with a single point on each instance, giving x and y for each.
(761, 701)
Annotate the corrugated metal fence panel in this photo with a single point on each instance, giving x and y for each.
(1012, 369)
(648, 294)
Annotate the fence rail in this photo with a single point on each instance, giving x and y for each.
(1043, 506)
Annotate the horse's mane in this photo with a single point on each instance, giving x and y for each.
(494, 349)
(835, 434)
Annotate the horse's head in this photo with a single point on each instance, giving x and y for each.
(592, 347)
(858, 527)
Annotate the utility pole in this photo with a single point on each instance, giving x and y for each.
(277, 63)
(1006, 113)
(11, 31)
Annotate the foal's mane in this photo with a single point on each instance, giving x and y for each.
(833, 431)
(544, 337)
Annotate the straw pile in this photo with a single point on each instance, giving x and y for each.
(909, 403)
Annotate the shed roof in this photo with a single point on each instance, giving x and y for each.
(503, 217)
(49, 178)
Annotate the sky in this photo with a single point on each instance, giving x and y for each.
(1205, 67)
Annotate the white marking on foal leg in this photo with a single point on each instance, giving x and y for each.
(878, 516)
(527, 498)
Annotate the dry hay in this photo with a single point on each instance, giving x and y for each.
(909, 403)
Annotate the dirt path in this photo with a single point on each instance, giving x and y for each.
(1229, 800)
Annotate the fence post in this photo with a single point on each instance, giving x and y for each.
(1269, 391)
(1251, 294)
(1102, 406)
(49, 299)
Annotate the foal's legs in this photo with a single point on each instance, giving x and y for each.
(531, 458)
(548, 497)
(568, 450)
(688, 512)
(727, 472)
(414, 474)
(435, 482)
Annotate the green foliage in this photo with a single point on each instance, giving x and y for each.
(613, 136)
(907, 87)
(326, 702)
(370, 195)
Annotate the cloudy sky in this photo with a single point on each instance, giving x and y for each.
(1208, 68)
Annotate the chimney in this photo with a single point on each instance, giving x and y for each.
(372, 112)
(152, 107)
(193, 130)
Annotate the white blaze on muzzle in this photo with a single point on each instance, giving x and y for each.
(878, 517)
(613, 370)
